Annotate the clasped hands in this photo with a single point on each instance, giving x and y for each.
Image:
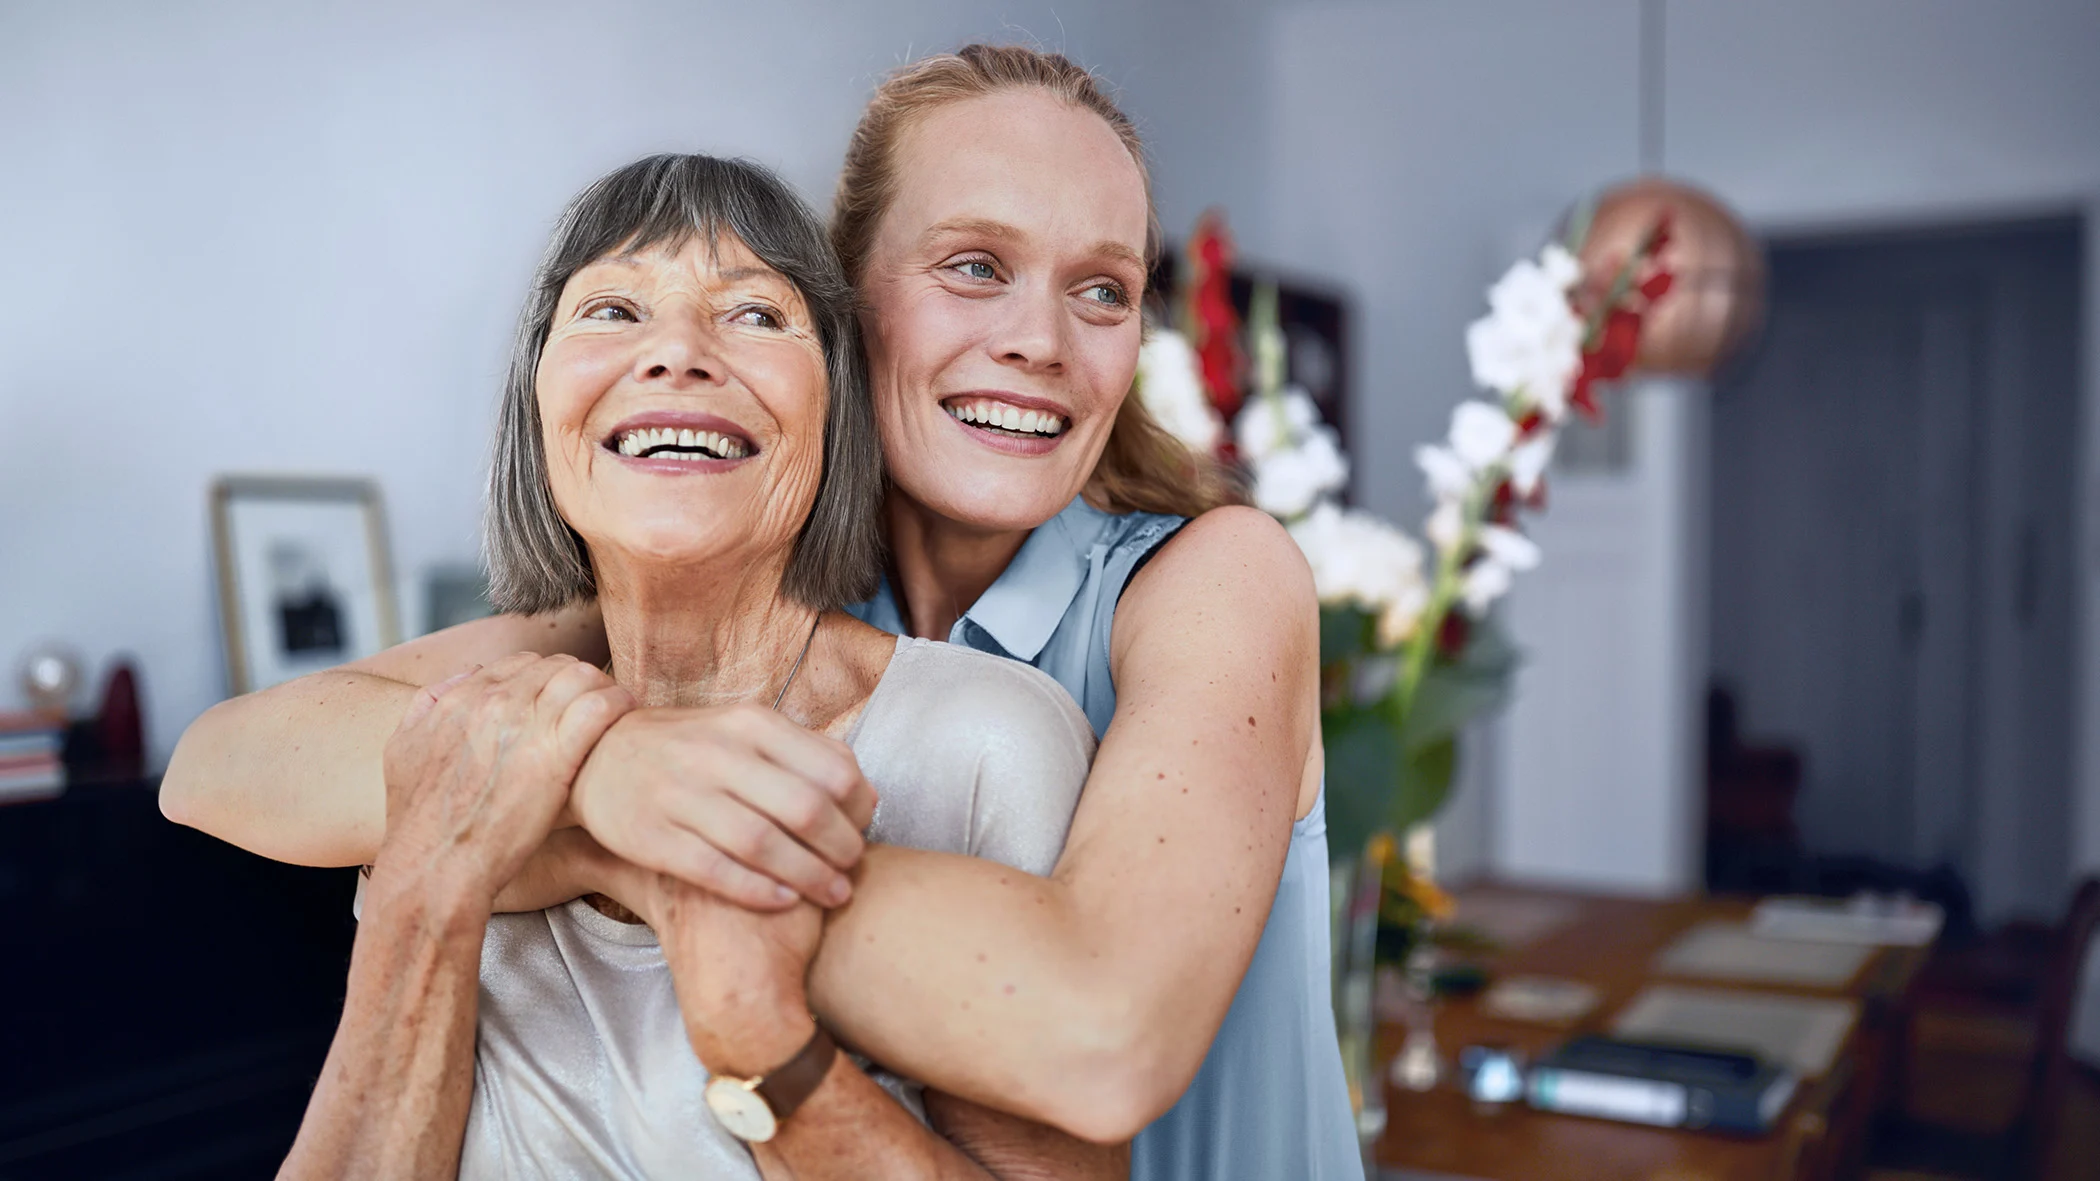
(535, 780)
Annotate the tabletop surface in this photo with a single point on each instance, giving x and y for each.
(1609, 943)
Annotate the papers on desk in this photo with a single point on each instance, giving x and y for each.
(1732, 951)
(1862, 918)
(1802, 1033)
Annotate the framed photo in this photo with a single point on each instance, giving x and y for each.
(304, 577)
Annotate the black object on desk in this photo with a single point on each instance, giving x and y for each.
(166, 999)
(1666, 1085)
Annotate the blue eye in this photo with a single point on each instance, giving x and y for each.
(977, 268)
(1107, 294)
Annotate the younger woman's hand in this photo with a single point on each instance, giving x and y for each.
(735, 800)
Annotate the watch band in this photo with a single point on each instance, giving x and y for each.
(786, 1086)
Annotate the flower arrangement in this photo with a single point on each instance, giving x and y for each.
(1409, 649)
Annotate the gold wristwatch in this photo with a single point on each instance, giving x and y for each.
(751, 1109)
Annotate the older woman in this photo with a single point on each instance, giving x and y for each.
(686, 436)
(1170, 976)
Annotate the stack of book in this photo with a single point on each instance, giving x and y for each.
(32, 748)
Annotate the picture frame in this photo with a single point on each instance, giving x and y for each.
(304, 575)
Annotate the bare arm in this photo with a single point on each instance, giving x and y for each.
(1088, 999)
(739, 978)
(392, 1097)
(293, 772)
(473, 782)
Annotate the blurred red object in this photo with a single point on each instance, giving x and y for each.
(1208, 317)
(119, 727)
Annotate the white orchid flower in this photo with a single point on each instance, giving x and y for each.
(1528, 462)
(1287, 482)
(1486, 581)
(1449, 477)
(1268, 425)
(1446, 526)
(1481, 434)
(1508, 547)
(1561, 267)
(1170, 385)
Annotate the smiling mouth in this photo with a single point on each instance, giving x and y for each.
(1003, 418)
(672, 443)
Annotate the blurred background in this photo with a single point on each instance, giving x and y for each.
(1821, 621)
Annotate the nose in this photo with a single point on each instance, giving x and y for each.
(1032, 337)
(680, 350)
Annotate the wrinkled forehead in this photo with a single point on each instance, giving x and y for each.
(712, 258)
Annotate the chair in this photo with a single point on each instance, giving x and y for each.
(1924, 1154)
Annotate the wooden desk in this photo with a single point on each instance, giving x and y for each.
(1609, 943)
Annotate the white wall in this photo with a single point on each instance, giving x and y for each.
(294, 238)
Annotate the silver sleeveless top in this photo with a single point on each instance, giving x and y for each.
(581, 1064)
(1270, 1102)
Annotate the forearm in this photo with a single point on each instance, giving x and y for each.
(393, 1094)
(1018, 992)
(294, 772)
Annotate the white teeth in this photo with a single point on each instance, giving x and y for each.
(701, 444)
(1011, 418)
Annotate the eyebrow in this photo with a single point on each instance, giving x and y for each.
(986, 227)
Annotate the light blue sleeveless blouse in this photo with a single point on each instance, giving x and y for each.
(1270, 1102)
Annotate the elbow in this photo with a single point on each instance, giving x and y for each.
(185, 793)
(1130, 1072)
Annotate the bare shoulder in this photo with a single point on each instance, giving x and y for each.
(1232, 568)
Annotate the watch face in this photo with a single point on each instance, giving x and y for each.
(741, 1111)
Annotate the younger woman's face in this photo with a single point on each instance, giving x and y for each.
(1002, 296)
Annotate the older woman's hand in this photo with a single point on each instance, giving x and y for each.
(481, 765)
(736, 800)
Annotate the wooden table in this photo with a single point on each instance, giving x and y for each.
(1610, 943)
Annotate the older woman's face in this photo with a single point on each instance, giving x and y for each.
(1002, 320)
(682, 397)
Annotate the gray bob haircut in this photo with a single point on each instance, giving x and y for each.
(536, 562)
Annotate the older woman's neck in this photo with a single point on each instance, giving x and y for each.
(942, 566)
(695, 638)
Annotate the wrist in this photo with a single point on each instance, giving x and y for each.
(425, 900)
(750, 1035)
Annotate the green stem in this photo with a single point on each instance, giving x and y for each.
(1443, 595)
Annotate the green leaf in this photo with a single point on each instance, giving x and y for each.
(1346, 632)
(1426, 775)
(1453, 694)
(1363, 766)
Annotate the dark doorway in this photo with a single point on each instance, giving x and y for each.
(1894, 470)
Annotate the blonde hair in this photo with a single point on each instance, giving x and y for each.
(1142, 468)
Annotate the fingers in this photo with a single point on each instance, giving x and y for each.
(686, 855)
(580, 703)
(822, 760)
(804, 814)
(758, 841)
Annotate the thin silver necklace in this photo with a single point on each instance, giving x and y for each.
(803, 655)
